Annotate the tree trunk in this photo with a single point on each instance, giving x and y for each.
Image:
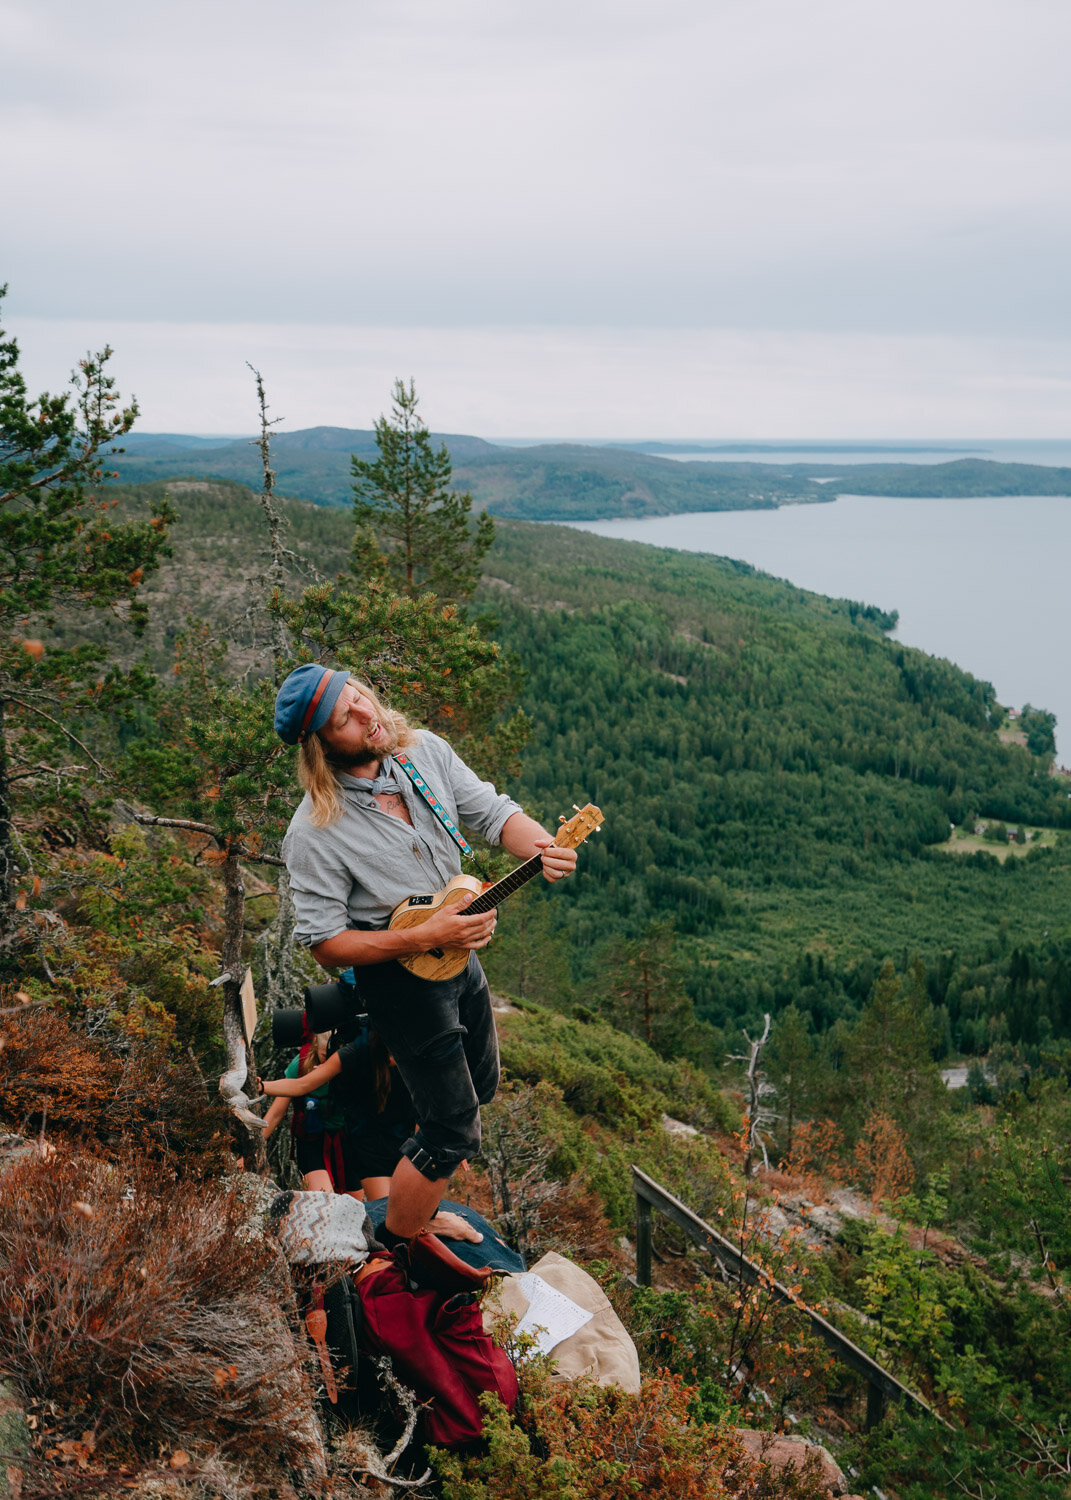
(276, 575)
(9, 869)
(754, 1080)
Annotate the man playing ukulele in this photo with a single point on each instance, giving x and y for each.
(362, 841)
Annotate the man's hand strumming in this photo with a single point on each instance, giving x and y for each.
(451, 928)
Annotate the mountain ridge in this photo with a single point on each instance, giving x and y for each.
(573, 481)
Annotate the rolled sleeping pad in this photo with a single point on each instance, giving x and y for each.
(329, 1006)
(288, 1026)
(490, 1251)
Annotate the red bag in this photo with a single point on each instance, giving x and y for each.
(438, 1349)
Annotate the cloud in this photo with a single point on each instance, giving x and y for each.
(663, 163)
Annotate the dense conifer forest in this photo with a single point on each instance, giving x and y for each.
(779, 780)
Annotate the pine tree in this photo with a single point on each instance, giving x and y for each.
(413, 530)
(645, 990)
(888, 1063)
(61, 548)
(530, 957)
(793, 1063)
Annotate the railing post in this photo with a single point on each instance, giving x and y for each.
(875, 1405)
(643, 1241)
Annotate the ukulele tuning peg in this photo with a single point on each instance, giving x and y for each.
(575, 807)
(561, 817)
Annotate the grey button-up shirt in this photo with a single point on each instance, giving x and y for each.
(356, 871)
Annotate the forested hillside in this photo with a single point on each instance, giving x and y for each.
(313, 463)
(777, 776)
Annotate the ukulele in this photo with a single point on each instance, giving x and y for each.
(444, 963)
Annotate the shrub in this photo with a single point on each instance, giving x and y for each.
(54, 1077)
(590, 1442)
(606, 1074)
(148, 1318)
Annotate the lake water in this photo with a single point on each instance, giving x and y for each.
(982, 582)
(1048, 452)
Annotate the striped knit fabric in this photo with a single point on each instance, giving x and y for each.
(325, 1227)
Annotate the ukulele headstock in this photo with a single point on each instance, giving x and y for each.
(572, 834)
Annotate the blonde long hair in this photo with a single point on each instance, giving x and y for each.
(318, 776)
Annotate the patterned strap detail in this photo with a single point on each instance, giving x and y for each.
(433, 802)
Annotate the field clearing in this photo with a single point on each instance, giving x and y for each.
(971, 843)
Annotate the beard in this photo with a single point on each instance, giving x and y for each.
(357, 760)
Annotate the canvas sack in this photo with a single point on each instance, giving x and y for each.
(602, 1350)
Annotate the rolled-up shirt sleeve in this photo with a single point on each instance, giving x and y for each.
(320, 886)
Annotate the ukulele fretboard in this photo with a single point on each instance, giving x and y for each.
(505, 887)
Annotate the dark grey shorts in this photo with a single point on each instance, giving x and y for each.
(441, 1033)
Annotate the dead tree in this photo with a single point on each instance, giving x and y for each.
(241, 1063)
(757, 1116)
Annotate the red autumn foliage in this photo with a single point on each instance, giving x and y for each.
(55, 1078)
(882, 1160)
(817, 1151)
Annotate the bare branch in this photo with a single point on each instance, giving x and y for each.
(15, 1010)
(20, 848)
(43, 957)
(407, 1401)
(150, 820)
(253, 856)
(42, 770)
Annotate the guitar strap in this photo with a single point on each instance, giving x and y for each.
(401, 759)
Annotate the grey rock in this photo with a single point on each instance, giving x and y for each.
(781, 1452)
(14, 1441)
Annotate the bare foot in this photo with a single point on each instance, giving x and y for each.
(449, 1226)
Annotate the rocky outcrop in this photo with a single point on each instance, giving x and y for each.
(777, 1452)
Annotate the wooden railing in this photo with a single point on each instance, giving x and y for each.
(881, 1386)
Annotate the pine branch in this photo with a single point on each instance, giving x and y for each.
(32, 708)
(254, 856)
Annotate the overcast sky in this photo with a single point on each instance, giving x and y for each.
(644, 218)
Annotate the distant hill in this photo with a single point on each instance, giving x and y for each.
(311, 464)
(573, 482)
(847, 449)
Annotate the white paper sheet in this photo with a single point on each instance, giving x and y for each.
(551, 1316)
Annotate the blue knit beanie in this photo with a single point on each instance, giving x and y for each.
(306, 699)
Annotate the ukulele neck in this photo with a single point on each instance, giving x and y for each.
(510, 883)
